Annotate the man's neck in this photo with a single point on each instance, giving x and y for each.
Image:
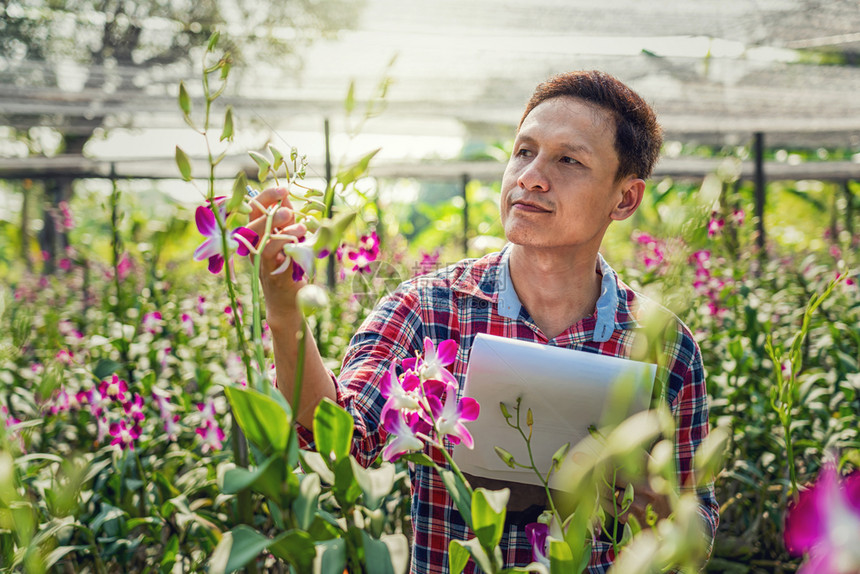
(557, 287)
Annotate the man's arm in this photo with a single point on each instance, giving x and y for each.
(283, 316)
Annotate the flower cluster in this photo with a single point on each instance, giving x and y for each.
(209, 431)
(653, 250)
(366, 253)
(422, 403)
(428, 263)
(165, 411)
(706, 283)
(824, 523)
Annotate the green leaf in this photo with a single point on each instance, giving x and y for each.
(357, 170)
(305, 504)
(458, 557)
(263, 165)
(183, 164)
(333, 428)
(295, 547)
(345, 488)
(246, 545)
(506, 457)
(376, 555)
(398, 550)
(268, 479)
(459, 493)
(349, 103)
(332, 558)
(239, 191)
(277, 159)
(316, 463)
(376, 484)
(170, 551)
(488, 515)
(227, 131)
(57, 553)
(560, 557)
(213, 40)
(265, 422)
(184, 99)
(479, 555)
(105, 368)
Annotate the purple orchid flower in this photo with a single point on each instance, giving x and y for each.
(537, 534)
(401, 393)
(451, 416)
(432, 366)
(123, 435)
(403, 427)
(824, 523)
(212, 436)
(211, 248)
(114, 390)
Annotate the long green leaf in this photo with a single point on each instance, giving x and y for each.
(333, 428)
(265, 422)
(488, 515)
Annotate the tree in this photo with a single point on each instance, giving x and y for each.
(98, 54)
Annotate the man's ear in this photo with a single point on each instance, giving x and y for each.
(632, 191)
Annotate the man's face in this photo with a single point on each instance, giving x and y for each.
(559, 188)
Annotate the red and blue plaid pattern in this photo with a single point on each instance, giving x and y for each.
(459, 302)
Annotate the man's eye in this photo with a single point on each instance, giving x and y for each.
(522, 152)
(567, 159)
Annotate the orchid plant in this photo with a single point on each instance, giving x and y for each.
(295, 522)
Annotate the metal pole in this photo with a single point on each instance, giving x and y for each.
(759, 182)
(465, 215)
(330, 267)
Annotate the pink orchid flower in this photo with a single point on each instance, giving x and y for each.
(123, 435)
(134, 408)
(400, 425)
(401, 394)
(211, 248)
(432, 366)
(212, 436)
(449, 418)
(114, 390)
(824, 523)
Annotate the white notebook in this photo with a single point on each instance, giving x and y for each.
(567, 390)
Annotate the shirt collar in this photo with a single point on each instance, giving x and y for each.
(610, 315)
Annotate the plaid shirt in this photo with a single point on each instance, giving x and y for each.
(476, 296)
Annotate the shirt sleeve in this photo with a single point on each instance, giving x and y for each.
(689, 404)
(392, 332)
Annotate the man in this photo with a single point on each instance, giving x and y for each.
(584, 147)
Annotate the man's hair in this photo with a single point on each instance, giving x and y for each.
(638, 136)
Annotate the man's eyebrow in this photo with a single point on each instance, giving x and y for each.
(574, 148)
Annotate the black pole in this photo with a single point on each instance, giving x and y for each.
(465, 215)
(849, 210)
(759, 182)
(330, 274)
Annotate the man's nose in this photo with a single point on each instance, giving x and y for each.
(534, 177)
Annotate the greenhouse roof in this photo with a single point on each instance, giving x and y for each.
(716, 72)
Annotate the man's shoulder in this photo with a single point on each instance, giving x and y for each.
(655, 319)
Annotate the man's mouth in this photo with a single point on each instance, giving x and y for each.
(530, 206)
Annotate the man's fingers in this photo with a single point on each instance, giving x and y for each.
(283, 217)
(268, 198)
(272, 255)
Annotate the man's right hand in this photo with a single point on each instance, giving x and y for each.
(279, 290)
